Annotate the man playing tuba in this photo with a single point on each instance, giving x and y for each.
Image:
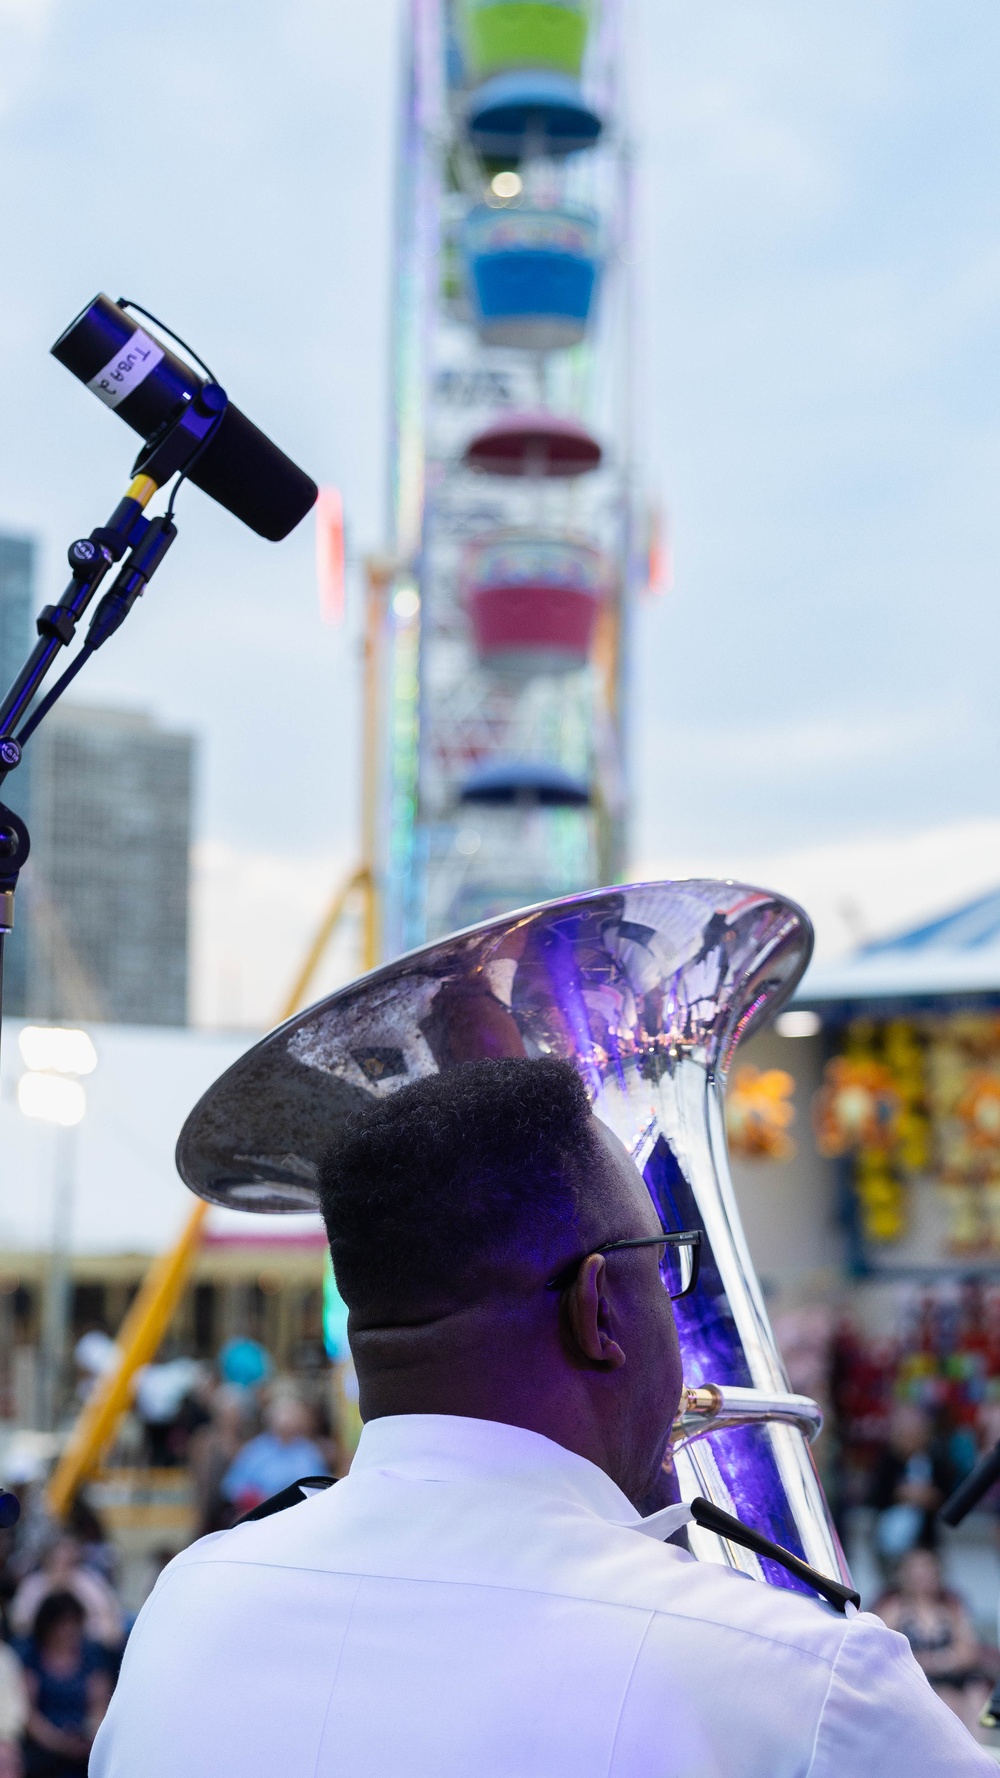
(476, 1597)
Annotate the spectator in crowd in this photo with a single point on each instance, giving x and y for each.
(94, 1354)
(938, 1629)
(96, 1548)
(68, 1689)
(14, 1709)
(278, 1456)
(63, 1571)
(910, 1483)
(244, 1363)
(10, 1574)
(211, 1451)
(160, 1392)
(194, 1413)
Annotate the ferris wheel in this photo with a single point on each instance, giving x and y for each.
(501, 777)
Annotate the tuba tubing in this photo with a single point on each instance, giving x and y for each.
(710, 1408)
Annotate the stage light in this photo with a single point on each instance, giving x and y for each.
(54, 1098)
(57, 1050)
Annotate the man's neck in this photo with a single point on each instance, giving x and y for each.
(555, 1413)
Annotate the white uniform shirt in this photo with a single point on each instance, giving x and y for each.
(470, 1602)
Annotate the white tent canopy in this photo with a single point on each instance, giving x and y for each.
(127, 1197)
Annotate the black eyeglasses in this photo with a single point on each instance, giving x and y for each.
(679, 1266)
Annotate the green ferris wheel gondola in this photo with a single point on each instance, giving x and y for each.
(502, 35)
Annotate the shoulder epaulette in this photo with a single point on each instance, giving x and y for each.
(293, 1495)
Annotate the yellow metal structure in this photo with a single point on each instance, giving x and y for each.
(149, 1317)
(324, 933)
(379, 576)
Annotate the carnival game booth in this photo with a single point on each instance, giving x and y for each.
(871, 1114)
(910, 1101)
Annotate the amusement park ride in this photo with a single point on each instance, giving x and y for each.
(495, 637)
(502, 668)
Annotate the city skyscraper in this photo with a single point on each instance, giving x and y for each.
(107, 881)
(17, 635)
(101, 920)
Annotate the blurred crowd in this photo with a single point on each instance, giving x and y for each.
(242, 1436)
(907, 1415)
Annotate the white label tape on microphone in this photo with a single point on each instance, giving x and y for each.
(127, 369)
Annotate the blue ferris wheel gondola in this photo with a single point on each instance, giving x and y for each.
(531, 275)
(525, 783)
(534, 112)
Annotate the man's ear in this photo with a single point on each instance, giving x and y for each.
(587, 1317)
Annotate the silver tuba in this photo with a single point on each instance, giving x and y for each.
(647, 990)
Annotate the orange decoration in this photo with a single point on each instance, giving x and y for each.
(979, 1110)
(758, 1113)
(858, 1107)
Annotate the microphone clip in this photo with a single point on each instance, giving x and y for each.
(180, 441)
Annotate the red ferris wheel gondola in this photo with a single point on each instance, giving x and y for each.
(537, 444)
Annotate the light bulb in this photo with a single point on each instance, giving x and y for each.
(506, 185)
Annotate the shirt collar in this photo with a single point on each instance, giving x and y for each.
(450, 1447)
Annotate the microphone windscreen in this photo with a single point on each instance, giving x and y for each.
(252, 479)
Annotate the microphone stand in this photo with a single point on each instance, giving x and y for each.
(970, 1492)
(967, 1495)
(128, 533)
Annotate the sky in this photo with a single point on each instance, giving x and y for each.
(821, 311)
(818, 267)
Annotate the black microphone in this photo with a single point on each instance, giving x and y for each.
(149, 387)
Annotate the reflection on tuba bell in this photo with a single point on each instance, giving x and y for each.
(647, 990)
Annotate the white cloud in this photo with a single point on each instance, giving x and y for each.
(24, 29)
(796, 749)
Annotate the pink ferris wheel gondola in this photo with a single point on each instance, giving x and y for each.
(533, 600)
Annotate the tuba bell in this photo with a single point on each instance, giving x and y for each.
(646, 990)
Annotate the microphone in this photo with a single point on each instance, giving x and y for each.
(149, 387)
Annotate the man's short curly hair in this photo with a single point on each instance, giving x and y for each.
(428, 1189)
